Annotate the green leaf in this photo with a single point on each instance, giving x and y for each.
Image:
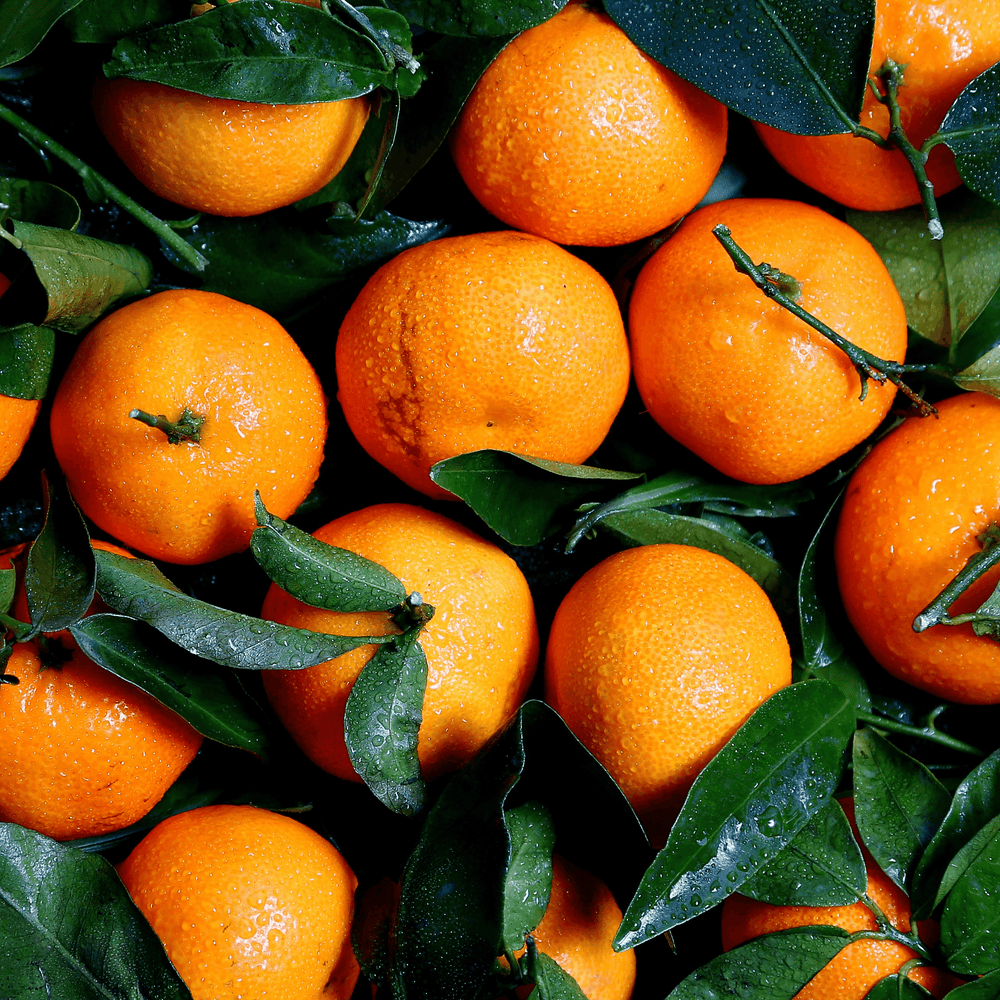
(898, 988)
(59, 578)
(82, 277)
(271, 53)
(822, 866)
(986, 988)
(788, 63)
(971, 129)
(319, 574)
(970, 920)
(975, 803)
(8, 588)
(69, 928)
(26, 356)
(209, 698)
(772, 967)
(381, 720)
(470, 18)
(276, 266)
(944, 284)
(552, 982)
(38, 202)
(899, 805)
(982, 338)
(529, 871)
(135, 587)
(748, 803)
(24, 25)
(519, 497)
(98, 21)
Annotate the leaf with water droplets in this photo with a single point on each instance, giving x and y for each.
(472, 18)
(986, 988)
(749, 803)
(552, 981)
(971, 129)
(898, 805)
(529, 871)
(135, 587)
(319, 574)
(898, 988)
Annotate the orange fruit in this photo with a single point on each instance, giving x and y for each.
(85, 753)
(248, 904)
(17, 418)
(747, 386)
(481, 645)
(575, 134)
(577, 929)
(943, 44)
(656, 657)
(910, 519)
(857, 966)
(264, 424)
(496, 340)
(226, 157)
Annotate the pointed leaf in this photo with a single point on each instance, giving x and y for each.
(552, 981)
(788, 63)
(529, 871)
(899, 805)
(749, 803)
(208, 697)
(971, 129)
(97, 21)
(38, 202)
(772, 967)
(69, 928)
(135, 587)
(319, 574)
(8, 588)
(986, 988)
(26, 356)
(898, 988)
(477, 17)
(381, 720)
(24, 25)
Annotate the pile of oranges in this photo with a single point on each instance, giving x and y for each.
(181, 414)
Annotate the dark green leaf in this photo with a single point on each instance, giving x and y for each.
(69, 929)
(98, 21)
(320, 574)
(60, 576)
(276, 266)
(749, 803)
(38, 202)
(983, 337)
(822, 866)
(899, 805)
(26, 355)
(898, 988)
(8, 587)
(970, 920)
(987, 988)
(477, 17)
(789, 63)
(971, 129)
(772, 967)
(552, 982)
(521, 497)
(208, 697)
(81, 276)
(529, 871)
(136, 588)
(24, 25)
(381, 720)
(945, 284)
(271, 53)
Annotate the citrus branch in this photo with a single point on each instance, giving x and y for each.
(928, 731)
(413, 613)
(93, 181)
(777, 286)
(186, 428)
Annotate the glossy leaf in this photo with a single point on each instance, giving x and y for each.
(24, 25)
(276, 266)
(59, 577)
(898, 988)
(822, 866)
(272, 53)
(208, 697)
(975, 803)
(970, 129)
(471, 18)
(748, 803)
(8, 588)
(519, 497)
(552, 982)
(529, 871)
(986, 988)
(945, 284)
(899, 805)
(789, 63)
(381, 720)
(319, 574)
(69, 928)
(136, 588)
(26, 356)
(97, 21)
(38, 202)
(82, 277)
(772, 967)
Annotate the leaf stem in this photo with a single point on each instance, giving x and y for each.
(776, 286)
(390, 51)
(413, 613)
(186, 428)
(93, 181)
(927, 732)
